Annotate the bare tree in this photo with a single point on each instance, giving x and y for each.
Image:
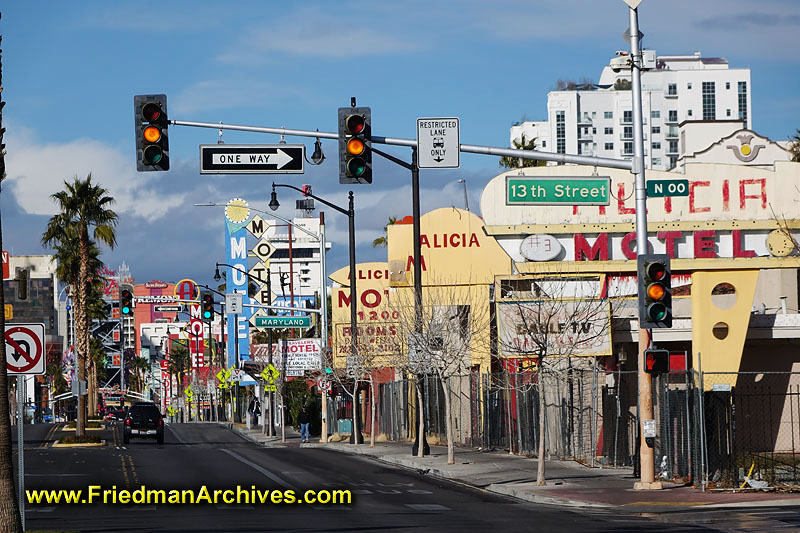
(550, 318)
(454, 324)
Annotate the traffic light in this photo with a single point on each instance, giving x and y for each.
(306, 190)
(126, 300)
(22, 284)
(355, 145)
(152, 142)
(656, 361)
(655, 291)
(208, 305)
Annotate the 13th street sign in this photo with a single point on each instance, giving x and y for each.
(252, 158)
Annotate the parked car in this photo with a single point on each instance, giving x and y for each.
(143, 420)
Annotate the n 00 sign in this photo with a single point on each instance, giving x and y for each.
(661, 188)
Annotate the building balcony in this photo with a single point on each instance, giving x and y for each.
(671, 95)
(671, 120)
(585, 137)
(585, 120)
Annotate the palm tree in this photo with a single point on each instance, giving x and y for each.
(794, 146)
(83, 207)
(139, 367)
(517, 162)
(9, 510)
(383, 241)
(178, 364)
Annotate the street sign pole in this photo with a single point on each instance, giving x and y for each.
(21, 446)
(646, 452)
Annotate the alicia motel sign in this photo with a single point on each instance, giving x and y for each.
(738, 216)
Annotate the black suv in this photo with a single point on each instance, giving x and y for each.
(143, 420)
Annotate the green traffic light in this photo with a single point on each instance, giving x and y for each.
(328, 370)
(657, 311)
(206, 314)
(126, 310)
(356, 166)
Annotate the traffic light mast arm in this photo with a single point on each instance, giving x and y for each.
(310, 195)
(412, 143)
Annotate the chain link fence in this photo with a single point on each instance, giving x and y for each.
(719, 430)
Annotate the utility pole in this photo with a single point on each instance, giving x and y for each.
(646, 453)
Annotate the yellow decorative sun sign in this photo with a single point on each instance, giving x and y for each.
(237, 211)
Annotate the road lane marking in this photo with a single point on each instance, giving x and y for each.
(427, 507)
(125, 471)
(133, 470)
(175, 434)
(264, 471)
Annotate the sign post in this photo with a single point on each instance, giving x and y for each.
(21, 446)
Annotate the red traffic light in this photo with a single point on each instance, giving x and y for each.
(355, 124)
(656, 270)
(306, 190)
(151, 112)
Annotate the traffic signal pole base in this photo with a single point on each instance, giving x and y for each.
(641, 485)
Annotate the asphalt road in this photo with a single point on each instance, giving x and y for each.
(385, 498)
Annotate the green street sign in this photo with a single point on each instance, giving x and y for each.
(558, 190)
(283, 321)
(661, 188)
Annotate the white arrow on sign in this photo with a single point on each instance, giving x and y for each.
(25, 349)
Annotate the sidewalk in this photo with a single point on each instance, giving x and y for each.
(568, 483)
(254, 435)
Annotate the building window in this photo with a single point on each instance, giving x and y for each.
(727, 85)
(608, 114)
(673, 147)
(689, 85)
(594, 114)
(561, 133)
(689, 113)
(673, 115)
(656, 129)
(673, 160)
(743, 100)
(656, 161)
(655, 114)
(627, 148)
(544, 144)
(608, 131)
(594, 131)
(609, 146)
(656, 146)
(627, 132)
(727, 112)
(672, 89)
(627, 116)
(709, 101)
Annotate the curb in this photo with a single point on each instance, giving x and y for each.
(57, 444)
(247, 436)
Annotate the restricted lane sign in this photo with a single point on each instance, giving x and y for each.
(25, 349)
(252, 158)
(438, 144)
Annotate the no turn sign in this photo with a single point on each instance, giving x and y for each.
(25, 349)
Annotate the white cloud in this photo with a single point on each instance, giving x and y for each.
(309, 32)
(36, 171)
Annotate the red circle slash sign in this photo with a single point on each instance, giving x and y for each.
(22, 349)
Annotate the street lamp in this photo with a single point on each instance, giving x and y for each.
(351, 216)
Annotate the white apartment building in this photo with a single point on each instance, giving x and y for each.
(598, 120)
(303, 269)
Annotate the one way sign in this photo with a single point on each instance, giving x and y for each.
(252, 158)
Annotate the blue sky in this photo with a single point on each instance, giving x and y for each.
(70, 70)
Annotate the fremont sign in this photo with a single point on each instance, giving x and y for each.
(252, 158)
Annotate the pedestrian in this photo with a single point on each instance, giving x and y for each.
(304, 420)
(255, 409)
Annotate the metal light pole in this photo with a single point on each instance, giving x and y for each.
(351, 215)
(646, 453)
